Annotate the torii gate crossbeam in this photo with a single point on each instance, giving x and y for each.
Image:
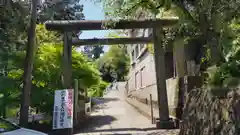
(73, 25)
(112, 41)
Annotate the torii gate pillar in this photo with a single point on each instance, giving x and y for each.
(159, 56)
(67, 61)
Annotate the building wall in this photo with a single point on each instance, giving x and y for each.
(142, 70)
(142, 76)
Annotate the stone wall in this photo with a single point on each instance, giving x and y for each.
(211, 112)
(172, 85)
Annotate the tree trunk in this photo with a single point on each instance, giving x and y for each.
(28, 66)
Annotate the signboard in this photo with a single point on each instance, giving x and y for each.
(63, 109)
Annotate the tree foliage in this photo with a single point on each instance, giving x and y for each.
(93, 52)
(46, 76)
(203, 23)
(227, 74)
(47, 70)
(12, 40)
(114, 64)
(14, 18)
(60, 10)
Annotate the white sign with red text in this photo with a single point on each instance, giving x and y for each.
(63, 109)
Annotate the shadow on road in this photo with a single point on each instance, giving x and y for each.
(119, 134)
(97, 108)
(121, 129)
(100, 103)
(102, 100)
(96, 122)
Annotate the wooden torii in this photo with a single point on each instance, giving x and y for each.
(157, 25)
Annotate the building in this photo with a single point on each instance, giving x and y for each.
(142, 75)
(142, 71)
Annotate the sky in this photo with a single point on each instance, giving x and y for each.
(93, 11)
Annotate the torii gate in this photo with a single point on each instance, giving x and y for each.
(67, 26)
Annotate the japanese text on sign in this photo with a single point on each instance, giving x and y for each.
(63, 109)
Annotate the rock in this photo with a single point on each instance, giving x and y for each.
(208, 114)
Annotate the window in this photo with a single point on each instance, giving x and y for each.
(150, 32)
(133, 56)
(136, 80)
(137, 50)
(142, 76)
(6, 126)
(141, 46)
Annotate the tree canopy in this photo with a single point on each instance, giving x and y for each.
(114, 64)
(46, 77)
(60, 10)
(207, 27)
(47, 69)
(204, 20)
(93, 52)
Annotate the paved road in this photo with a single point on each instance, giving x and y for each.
(113, 115)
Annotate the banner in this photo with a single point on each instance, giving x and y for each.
(63, 109)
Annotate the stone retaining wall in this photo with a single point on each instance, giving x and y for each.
(211, 112)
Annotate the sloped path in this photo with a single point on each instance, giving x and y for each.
(112, 115)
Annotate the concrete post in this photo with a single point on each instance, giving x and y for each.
(151, 105)
(75, 122)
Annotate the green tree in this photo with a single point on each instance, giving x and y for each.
(114, 64)
(46, 77)
(227, 74)
(47, 70)
(13, 39)
(47, 74)
(60, 10)
(28, 65)
(93, 52)
(202, 23)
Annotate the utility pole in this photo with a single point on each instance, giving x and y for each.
(28, 65)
